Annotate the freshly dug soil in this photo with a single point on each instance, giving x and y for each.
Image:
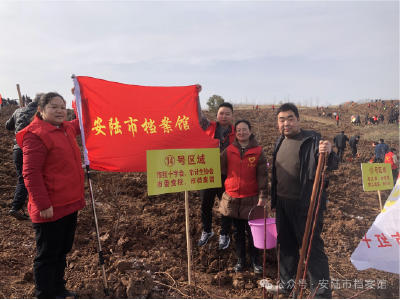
(146, 256)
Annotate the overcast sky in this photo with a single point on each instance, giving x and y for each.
(259, 51)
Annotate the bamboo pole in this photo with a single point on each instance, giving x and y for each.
(188, 237)
(380, 200)
(19, 95)
(308, 224)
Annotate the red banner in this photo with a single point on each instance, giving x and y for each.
(122, 121)
(1, 100)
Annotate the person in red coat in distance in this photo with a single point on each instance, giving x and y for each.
(54, 178)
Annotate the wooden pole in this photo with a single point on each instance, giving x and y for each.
(19, 95)
(308, 224)
(380, 200)
(188, 237)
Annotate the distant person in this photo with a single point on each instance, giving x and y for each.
(257, 106)
(380, 151)
(21, 118)
(353, 144)
(223, 131)
(337, 120)
(358, 120)
(273, 107)
(340, 142)
(245, 165)
(391, 158)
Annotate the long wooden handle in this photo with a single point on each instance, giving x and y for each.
(308, 224)
(188, 237)
(19, 95)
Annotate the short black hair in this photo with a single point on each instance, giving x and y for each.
(381, 141)
(357, 136)
(226, 104)
(286, 107)
(242, 121)
(342, 132)
(392, 149)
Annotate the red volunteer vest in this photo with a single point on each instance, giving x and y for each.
(389, 159)
(213, 127)
(62, 172)
(241, 181)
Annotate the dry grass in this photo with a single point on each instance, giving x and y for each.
(390, 133)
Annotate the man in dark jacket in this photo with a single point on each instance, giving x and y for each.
(19, 120)
(295, 160)
(380, 151)
(340, 142)
(353, 144)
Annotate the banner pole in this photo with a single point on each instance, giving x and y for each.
(188, 237)
(380, 200)
(100, 251)
(19, 95)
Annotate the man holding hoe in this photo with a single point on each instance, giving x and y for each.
(224, 131)
(295, 160)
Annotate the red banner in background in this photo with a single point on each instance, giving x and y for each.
(1, 100)
(122, 121)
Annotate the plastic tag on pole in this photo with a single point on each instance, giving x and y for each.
(79, 109)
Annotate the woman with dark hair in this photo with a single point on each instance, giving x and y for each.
(54, 178)
(245, 164)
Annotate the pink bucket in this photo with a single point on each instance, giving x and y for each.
(257, 229)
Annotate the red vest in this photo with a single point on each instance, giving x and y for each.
(213, 127)
(241, 181)
(337, 118)
(389, 159)
(62, 172)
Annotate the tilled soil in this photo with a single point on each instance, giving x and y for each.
(145, 248)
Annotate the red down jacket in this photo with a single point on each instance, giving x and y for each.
(52, 168)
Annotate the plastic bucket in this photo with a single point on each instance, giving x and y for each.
(257, 229)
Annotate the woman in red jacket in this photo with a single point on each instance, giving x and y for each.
(245, 164)
(54, 178)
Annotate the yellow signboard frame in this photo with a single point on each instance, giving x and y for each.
(177, 170)
(377, 176)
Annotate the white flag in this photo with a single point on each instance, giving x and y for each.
(380, 246)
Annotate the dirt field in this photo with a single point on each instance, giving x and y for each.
(147, 257)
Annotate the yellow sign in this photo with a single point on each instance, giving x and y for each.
(177, 170)
(377, 177)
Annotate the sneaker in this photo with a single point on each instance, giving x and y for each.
(273, 289)
(205, 237)
(19, 214)
(67, 294)
(224, 241)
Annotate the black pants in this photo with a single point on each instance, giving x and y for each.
(54, 241)
(239, 228)
(395, 173)
(290, 226)
(207, 197)
(340, 154)
(21, 192)
(354, 151)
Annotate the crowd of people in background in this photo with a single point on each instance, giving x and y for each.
(25, 101)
